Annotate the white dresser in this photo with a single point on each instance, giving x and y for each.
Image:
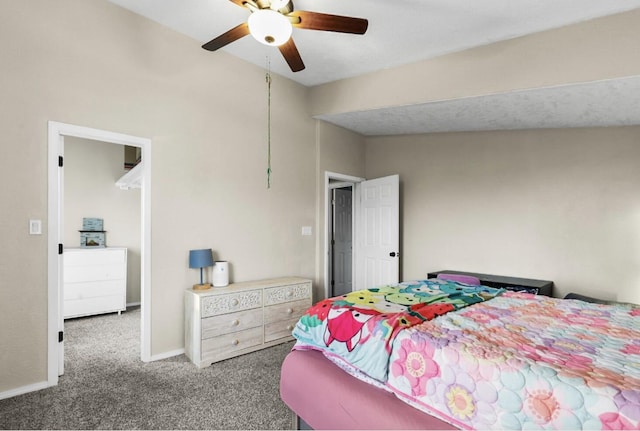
(223, 322)
(95, 281)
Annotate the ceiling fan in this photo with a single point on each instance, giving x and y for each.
(271, 22)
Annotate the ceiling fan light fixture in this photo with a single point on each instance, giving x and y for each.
(270, 27)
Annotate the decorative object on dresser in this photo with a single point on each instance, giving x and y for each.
(242, 317)
(92, 233)
(95, 281)
(220, 273)
(529, 285)
(202, 258)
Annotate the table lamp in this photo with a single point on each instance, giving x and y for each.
(201, 259)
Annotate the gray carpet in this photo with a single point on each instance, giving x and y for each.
(106, 386)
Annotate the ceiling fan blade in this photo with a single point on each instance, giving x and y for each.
(326, 22)
(291, 54)
(232, 35)
(239, 2)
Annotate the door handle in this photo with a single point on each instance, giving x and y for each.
(394, 254)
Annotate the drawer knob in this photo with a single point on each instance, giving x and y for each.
(289, 310)
(235, 322)
(235, 342)
(289, 327)
(234, 302)
(289, 293)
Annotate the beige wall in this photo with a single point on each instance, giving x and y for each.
(91, 169)
(96, 65)
(340, 151)
(561, 205)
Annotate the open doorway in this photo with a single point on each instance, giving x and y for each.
(339, 233)
(101, 228)
(374, 231)
(341, 239)
(56, 230)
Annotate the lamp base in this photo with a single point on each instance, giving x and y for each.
(202, 286)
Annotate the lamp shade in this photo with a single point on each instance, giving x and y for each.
(269, 27)
(200, 258)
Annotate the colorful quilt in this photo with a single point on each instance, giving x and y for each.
(522, 361)
(359, 328)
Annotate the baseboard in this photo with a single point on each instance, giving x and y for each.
(166, 355)
(133, 304)
(24, 389)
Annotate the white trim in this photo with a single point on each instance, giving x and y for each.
(24, 389)
(145, 276)
(341, 177)
(344, 181)
(52, 257)
(340, 184)
(57, 130)
(166, 355)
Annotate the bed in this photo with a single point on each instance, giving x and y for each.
(435, 354)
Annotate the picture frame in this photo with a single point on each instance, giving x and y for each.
(92, 239)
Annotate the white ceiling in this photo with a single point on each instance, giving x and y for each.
(406, 31)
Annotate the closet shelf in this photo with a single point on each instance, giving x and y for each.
(132, 179)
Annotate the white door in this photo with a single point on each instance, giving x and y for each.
(342, 241)
(378, 232)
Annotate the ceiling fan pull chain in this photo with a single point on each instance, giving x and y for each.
(268, 77)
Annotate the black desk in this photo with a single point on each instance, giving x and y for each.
(544, 287)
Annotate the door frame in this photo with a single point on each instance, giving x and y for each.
(345, 180)
(56, 133)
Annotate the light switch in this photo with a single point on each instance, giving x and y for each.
(35, 227)
(306, 230)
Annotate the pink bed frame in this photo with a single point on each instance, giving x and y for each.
(326, 397)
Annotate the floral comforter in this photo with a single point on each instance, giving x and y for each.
(522, 361)
(359, 328)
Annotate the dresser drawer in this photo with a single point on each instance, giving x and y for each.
(293, 292)
(224, 345)
(112, 271)
(223, 304)
(232, 322)
(287, 310)
(93, 289)
(276, 330)
(89, 306)
(102, 256)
